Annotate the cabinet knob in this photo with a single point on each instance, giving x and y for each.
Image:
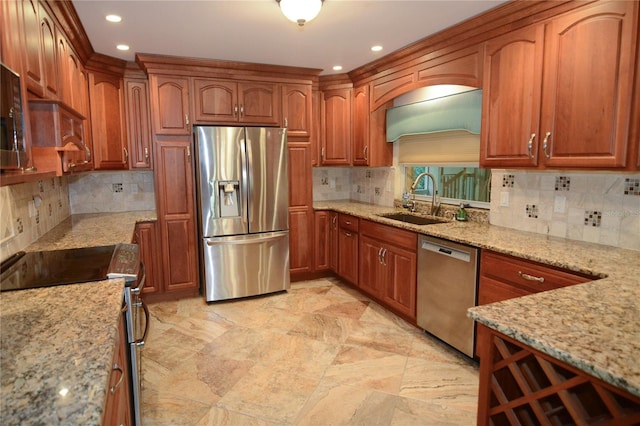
(286, 123)
(186, 119)
(545, 145)
(530, 277)
(530, 145)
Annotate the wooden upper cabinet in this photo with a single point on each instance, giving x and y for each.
(49, 56)
(215, 101)
(296, 110)
(138, 123)
(559, 94)
(336, 130)
(588, 90)
(170, 105)
(511, 99)
(259, 103)
(226, 101)
(360, 141)
(33, 47)
(107, 122)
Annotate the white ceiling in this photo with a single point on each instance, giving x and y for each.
(256, 31)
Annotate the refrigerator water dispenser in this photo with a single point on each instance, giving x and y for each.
(229, 196)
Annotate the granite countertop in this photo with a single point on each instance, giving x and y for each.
(593, 326)
(57, 343)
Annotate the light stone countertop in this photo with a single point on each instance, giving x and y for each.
(594, 326)
(63, 337)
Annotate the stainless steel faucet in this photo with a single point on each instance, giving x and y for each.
(435, 205)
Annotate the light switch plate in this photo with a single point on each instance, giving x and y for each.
(504, 199)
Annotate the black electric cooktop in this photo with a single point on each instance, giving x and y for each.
(59, 267)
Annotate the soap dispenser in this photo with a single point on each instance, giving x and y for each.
(462, 213)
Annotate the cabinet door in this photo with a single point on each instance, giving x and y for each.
(296, 109)
(117, 408)
(300, 240)
(348, 259)
(49, 56)
(146, 236)
(511, 99)
(174, 180)
(33, 47)
(64, 81)
(107, 122)
(400, 285)
(300, 208)
(361, 126)
(215, 101)
(336, 131)
(259, 103)
(322, 235)
(170, 105)
(138, 123)
(372, 273)
(589, 63)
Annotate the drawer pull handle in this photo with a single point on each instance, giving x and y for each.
(530, 277)
(348, 234)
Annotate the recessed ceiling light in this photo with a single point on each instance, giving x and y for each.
(113, 18)
(376, 48)
(337, 67)
(122, 47)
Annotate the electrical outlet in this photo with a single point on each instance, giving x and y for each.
(504, 199)
(559, 204)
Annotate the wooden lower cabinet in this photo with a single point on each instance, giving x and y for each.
(117, 409)
(300, 241)
(505, 277)
(146, 236)
(348, 248)
(388, 266)
(322, 235)
(522, 386)
(176, 216)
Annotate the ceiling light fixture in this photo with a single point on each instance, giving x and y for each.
(122, 47)
(376, 48)
(113, 18)
(300, 11)
(337, 67)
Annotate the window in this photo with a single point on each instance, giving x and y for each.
(471, 185)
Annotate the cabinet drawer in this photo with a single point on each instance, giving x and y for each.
(348, 222)
(531, 276)
(391, 235)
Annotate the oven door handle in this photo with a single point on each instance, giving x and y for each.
(140, 286)
(140, 342)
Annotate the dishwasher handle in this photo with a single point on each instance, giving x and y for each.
(443, 250)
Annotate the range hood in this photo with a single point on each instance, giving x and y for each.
(459, 112)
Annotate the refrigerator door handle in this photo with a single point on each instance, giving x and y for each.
(236, 241)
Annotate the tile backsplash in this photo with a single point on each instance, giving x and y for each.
(595, 207)
(112, 192)
(30, 210)
(366, 185)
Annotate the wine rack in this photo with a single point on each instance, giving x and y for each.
(522, 386)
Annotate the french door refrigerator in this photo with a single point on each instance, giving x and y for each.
(242, 196)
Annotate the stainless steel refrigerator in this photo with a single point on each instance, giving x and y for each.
(242, 194)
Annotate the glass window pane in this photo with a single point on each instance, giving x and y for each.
(453, 183)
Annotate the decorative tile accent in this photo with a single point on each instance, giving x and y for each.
(632, 187)
(117, 187)
(377, 190)
(592, 218)
(507, 181)
(563, 183)
(41, 186)
(324, 180)
(368, 174)
(37, 216)
(532, 211)
(20, 225)
(53, 183)
(50, 210)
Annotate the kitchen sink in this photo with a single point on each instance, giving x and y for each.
(416, 220)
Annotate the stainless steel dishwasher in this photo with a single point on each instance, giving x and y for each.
(447, 287)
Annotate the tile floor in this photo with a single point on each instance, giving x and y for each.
(319, 354)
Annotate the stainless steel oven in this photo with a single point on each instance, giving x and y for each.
(136, 314)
